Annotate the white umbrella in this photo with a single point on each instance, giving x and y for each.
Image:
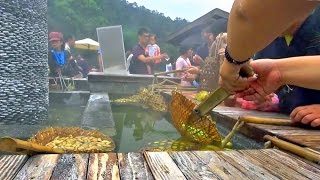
(87, 44)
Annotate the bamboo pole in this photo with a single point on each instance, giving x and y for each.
(309, 155)
(169, 72)
(176, 88)
(169, 81)
(265, 120)
(235, 128)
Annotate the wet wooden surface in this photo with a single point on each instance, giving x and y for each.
(71, 166)
(133, 166)
(38, 167)
(10, 165)
(243, 164)
(103, 166)
(301, 135)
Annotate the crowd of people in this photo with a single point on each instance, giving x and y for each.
(283, 57)
(62, 59)
(146, 56)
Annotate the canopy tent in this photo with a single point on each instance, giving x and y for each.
(87, 44)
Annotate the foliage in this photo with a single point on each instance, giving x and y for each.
(82, 17)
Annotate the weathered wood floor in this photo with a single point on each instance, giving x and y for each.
(245, 164)
(303, 136)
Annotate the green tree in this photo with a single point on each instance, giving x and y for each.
(82, 17)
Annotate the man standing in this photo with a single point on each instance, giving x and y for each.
(140, 60)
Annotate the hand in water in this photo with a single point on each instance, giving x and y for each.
(268, 81)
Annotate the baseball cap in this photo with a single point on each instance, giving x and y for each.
(55, 36)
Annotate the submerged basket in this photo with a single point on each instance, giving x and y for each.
(145, 98)
(180, 144)
(202, 130)
(90, 145)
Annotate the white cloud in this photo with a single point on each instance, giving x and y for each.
(188, 9)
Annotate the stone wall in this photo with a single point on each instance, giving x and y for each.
(23, 61)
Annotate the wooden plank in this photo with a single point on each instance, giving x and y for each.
(247, 167)
(192, 167)
(220, 166)
(71, 166)
(236, 112)
(133, 166)
(309, 169)
(103, 166)
(312, 141)
(301, 135)
(162, 166)
(38, 167)
(10, 165)
(274, 128)
(297, 132)
(277, 168)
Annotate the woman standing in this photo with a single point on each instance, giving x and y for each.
(59, 60)
(183, 62)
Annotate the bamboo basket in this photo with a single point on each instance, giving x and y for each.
(46, 136)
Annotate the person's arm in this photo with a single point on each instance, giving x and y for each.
(145, 59)
(300, 71)
(254, 24)
(197, 59)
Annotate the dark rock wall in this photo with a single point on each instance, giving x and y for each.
(23, 61)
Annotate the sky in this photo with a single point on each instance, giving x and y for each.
(185, 9)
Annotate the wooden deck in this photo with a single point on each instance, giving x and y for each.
(246, 164)
(303, 136)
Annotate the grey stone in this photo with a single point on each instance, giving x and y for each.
(23, 41)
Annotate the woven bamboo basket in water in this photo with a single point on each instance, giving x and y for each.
(74, 140)
(201, 130)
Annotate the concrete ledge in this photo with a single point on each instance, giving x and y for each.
(100, 76)
(119, 84)
(20, 131)
(80, 84)
(98, 114)
(69, 97)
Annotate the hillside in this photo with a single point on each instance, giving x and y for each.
(82, 17)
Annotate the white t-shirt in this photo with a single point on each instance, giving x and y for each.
(129, 61)
(183, 64)
(67, 47)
